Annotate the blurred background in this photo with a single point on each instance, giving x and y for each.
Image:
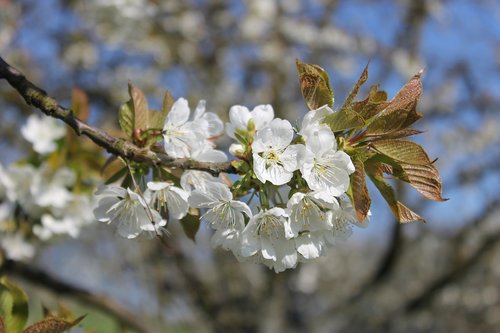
(442, 276)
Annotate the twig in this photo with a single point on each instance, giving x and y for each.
(38, 277)
(37, 97)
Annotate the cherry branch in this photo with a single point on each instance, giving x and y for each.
(37, 97)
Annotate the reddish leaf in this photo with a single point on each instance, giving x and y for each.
(402, 133)
(140, 104)
(52, 325)
(424, 178)
(314, 85)
(402, 151)
(408, 96)
(354, 91)
(401, 111)
(373, 104)
(360, 198)
(400, 211)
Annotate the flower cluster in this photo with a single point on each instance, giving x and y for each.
(288, 206)
(37, 197)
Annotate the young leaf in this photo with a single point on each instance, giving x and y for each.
(190, 224)
(168, 102)
(424, 178)
(373, 104)
(314, 85)
(408, 96)
(354, 91)
(402, 213)
(343, 119)
(401, 111)
(52, 325)
(140, 104)
(402, 151)
(402, 133)
(13, 306)
(126, 118)
(361, 200)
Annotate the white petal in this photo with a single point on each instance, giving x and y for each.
(262, 115)
(267, 249)
(157, 186)
(179, 114)
(277, 174)
(177, 202)
(307, 246)
(289, 158)
(320, 141)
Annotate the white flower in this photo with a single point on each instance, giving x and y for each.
(267, 236)
(211, 123)
(322, 166)
(239, 116)
(181, 136)
(16, 247)
(51, 226)
(128, 209)
(313, 119)
(50, 189)
(274, 159)
(343, 220)
(68, 220)
(224, 214)
(196, 179)
(42, 132)
(165, 195)
(311, 221)
(205, 153)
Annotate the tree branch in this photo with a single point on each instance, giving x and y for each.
(37, 97)
(38, 277)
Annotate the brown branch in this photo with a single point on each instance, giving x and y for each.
(31, 274)
(38, 98)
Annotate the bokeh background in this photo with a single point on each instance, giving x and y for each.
(442, 276)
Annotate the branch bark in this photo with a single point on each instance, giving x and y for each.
(35, 276)
(37, 97)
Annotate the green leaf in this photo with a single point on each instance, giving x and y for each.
(343, 119)
(126, 118)
(314, 85)
(361, 200)
(13, 306)
(52, 325)
(168, 102)
(140, 104)
(402, 151)
(190, 224)
(156, 119)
